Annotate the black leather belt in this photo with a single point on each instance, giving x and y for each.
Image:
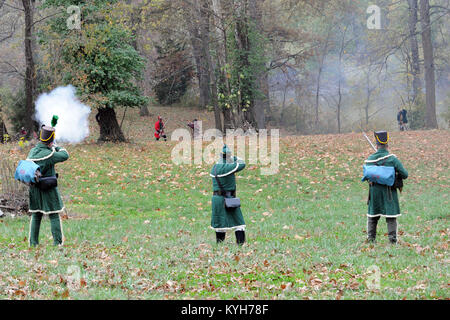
(231, 193)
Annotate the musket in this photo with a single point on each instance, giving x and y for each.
(367, 138)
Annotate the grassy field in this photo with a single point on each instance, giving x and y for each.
(137, 225)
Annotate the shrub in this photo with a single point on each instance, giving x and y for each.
(16, 109)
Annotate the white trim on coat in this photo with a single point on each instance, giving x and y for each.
(63, 149)
(383, 215)
(235, 228)
(47, 212)
(44, 158)
(379, 159)
(228, 173)
(50, 155)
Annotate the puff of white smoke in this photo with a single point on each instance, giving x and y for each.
(73, 123)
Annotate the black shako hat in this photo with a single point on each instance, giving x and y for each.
(382, 137)
(47, 134)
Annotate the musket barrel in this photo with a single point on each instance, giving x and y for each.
(371, 144)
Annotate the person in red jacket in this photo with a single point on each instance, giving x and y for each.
(159, 129)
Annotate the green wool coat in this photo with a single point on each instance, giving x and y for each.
(223, 220)
(46, 202)
(383, 199)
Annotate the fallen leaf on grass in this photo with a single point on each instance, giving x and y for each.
(300, 238)
(315, 282)
(19, 293)
(354, 285)
(65, 294)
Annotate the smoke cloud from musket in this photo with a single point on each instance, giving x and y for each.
(73, 123)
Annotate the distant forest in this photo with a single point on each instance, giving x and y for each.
(322, 66)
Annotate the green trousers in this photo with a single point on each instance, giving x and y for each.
(35, 225)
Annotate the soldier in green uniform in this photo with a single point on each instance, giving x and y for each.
(383, 200)
(46, 202)
(223, 219)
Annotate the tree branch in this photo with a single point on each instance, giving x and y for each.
(14, 69)
(12, 7)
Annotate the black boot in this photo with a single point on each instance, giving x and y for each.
(220, 237)
(240, 237)
(372, 228)
(392, 229)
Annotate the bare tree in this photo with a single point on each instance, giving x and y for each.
(220, 11)
(341, 53)
(262, 79)
(198, 25)
(430, 83)
(199, 19)
(30, 73)
(414, 47)
(321, 60)
(135, 19)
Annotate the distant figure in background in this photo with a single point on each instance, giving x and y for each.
(159, 129)
(402, 119)
(21, 134)
(192, 125)
(195, 128)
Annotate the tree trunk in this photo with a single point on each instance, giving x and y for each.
(136, 22)
(366, 109)
(227, 119)
(215, 66)
(299, 112)
(3, 131)
(430, 84)
(205, 91)
(214, 92)
(316, 121)
(243, 45)
(30, 72)
(222, 51)
(415, 64)
(197, 21)
(339, 108)
(260, 103)
(264, 81)
(143, 112)
(283, 105)
(109, 127)
(34, 50)
(341, 53)
(321, 62)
